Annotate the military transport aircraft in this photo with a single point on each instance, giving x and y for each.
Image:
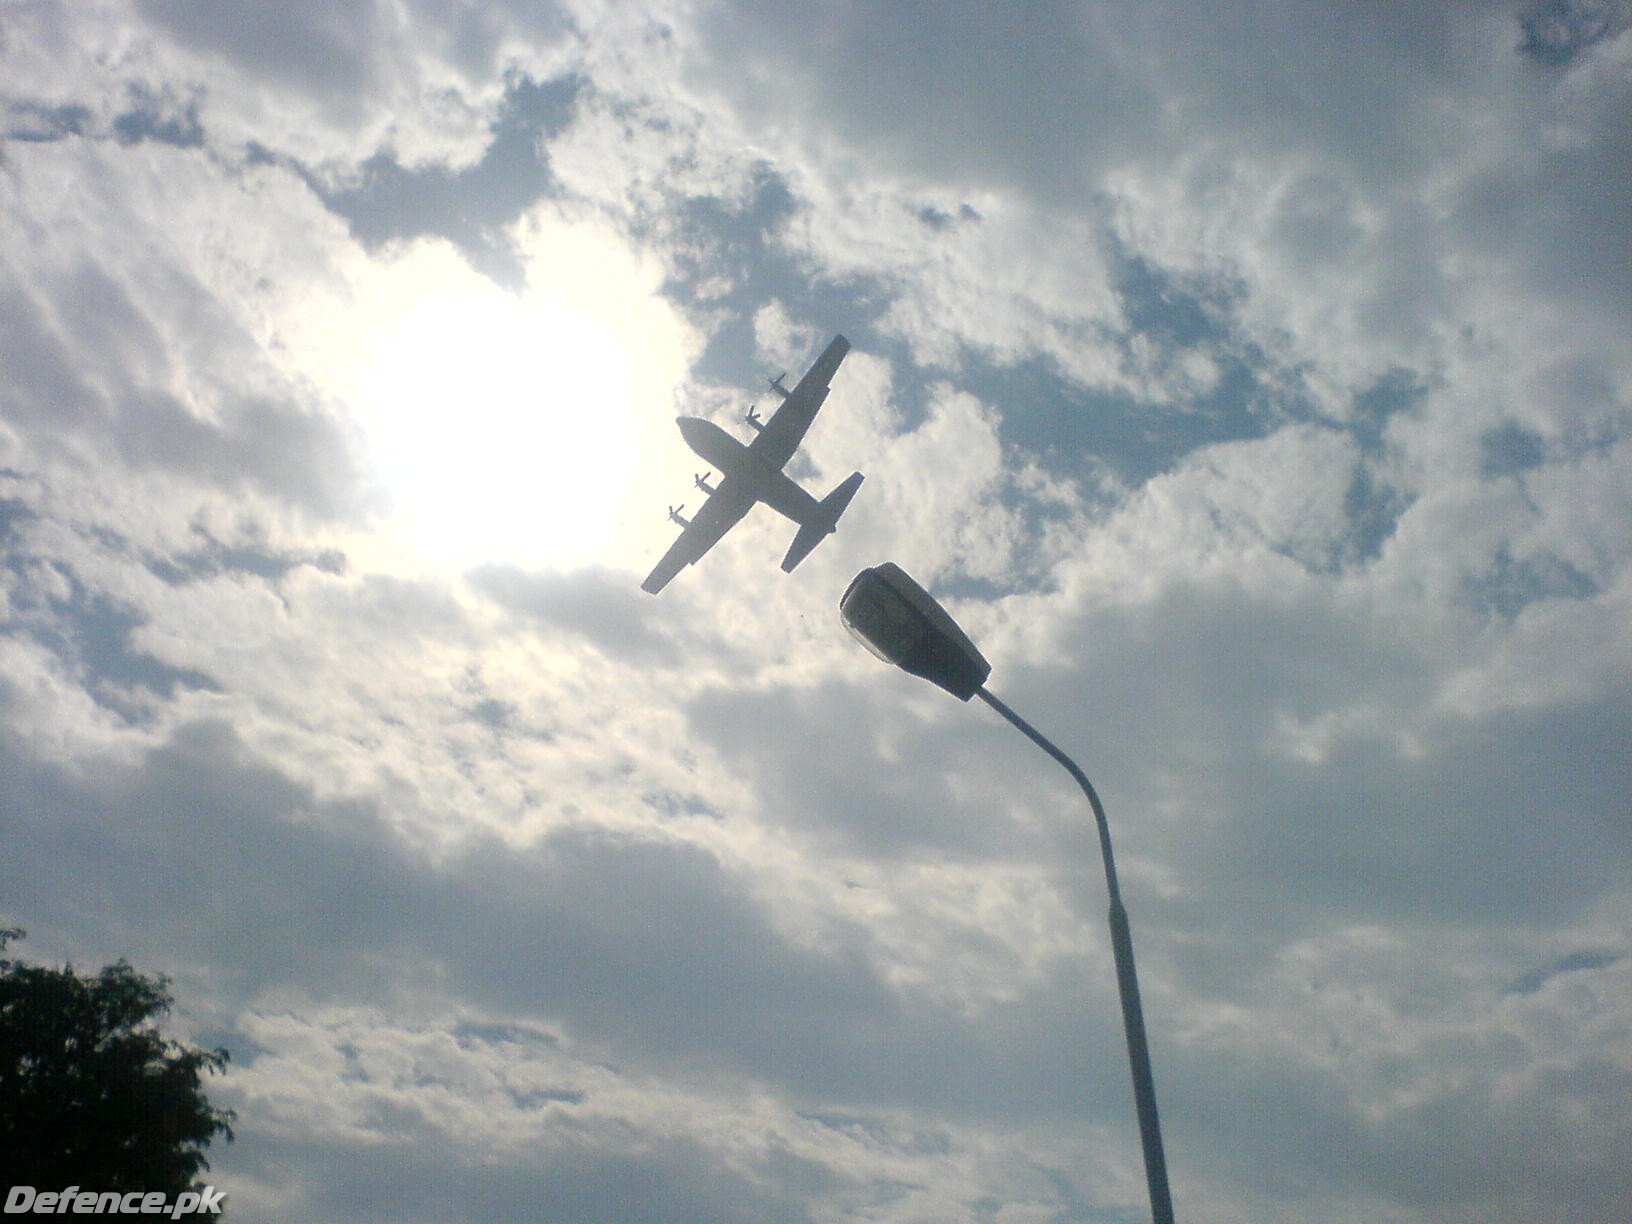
(753, 473)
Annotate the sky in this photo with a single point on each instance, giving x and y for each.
(1251, 382)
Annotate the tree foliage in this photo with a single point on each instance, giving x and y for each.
(91, 1093)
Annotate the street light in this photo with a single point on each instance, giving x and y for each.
(901, 623)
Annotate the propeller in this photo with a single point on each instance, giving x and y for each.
(752, 416)
(675, 516)
(702, 483)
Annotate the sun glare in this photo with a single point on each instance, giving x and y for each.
(502, 426)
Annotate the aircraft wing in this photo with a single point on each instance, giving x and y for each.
(723, 510)
(786, 428)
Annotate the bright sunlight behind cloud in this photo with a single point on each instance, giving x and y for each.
(501, 426)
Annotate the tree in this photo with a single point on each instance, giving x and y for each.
(91, 1093)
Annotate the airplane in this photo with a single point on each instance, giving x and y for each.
(753, 473)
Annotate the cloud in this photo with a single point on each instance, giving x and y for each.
(600, 605)
(1573, 962)
(590, 933)
(980, 101)
(1558, 31)
(383, 201)
(1251, 385)
(589, 928)
(316, 80)
(156, 117)
(374, 1181)
(325, 49)
(104, 369)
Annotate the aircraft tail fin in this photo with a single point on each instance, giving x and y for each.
(823, 523)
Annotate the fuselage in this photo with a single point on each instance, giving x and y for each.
(751, 473)
(746, 475)
(712, 443)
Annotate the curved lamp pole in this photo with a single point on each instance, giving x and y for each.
(902, 624)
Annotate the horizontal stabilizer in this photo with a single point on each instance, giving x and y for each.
(836, 502)
(822, 524)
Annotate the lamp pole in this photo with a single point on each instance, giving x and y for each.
(901, 623)
(1127, 980)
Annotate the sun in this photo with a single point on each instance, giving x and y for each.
(500, 429)
(503, 426)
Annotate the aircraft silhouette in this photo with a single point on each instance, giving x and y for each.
(751, 473)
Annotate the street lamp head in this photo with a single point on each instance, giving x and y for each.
(901, 623)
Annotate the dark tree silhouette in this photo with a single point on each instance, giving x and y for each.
(91, 1093)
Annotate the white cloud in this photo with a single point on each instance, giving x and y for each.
(1254, 380)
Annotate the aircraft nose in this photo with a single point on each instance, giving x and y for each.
(692, 429)
(709, 442)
